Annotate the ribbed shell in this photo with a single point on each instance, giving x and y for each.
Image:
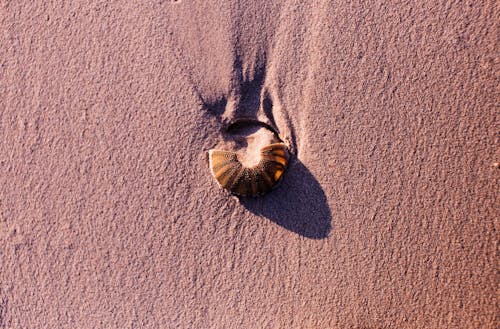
(254, 181)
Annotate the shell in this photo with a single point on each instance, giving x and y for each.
(232, 175)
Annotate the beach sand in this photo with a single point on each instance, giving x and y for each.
(385, 218)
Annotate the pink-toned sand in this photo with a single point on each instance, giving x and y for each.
(386, 218)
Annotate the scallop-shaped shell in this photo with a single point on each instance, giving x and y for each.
(232, 175)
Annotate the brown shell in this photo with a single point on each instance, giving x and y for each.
(254, 181)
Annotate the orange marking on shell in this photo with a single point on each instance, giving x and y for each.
(277, 174)
(279, 159)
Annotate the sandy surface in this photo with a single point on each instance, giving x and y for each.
(109, 217)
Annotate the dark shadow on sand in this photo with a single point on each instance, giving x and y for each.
(298, 204)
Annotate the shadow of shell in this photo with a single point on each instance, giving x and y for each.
(233, 176)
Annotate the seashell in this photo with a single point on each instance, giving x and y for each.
(254, 180)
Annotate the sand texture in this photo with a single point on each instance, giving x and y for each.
(387, 216)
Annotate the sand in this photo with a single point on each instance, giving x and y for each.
(386, 217)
